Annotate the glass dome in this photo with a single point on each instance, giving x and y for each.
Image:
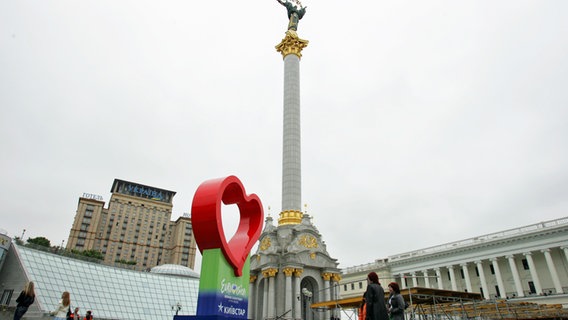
(175, 269)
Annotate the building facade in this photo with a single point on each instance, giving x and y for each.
(527, 263)
(135, 229)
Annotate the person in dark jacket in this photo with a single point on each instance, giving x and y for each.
(396, 303)
(24, 300)
(374, 298)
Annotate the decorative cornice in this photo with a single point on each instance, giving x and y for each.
(326, 276)
(288, 271)
(290, 217)
(336, 277)
(265, 243)
(270, 272)
(308, 241)
(291, 44)
(539, 230)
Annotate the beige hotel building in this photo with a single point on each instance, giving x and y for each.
(135, 229)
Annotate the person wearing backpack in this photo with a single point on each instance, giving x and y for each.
(25, 300)
(396, 304)
(63, 310)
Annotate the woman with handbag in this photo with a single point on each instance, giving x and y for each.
(64, 307)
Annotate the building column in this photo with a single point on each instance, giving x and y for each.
(516, 278)
(414, 280)
(252, 297)
(482, 279)
(552, 269)
(335, 278)
(326, 276)
(297, 294)
(500, 284)
(403, 281)
(439, 277)
(291, 48)
(265, 299)
(271, 275)
(565, 249)
(289, 293)
(534, 274)
(466, 276)
(453, 278)
(426, 279)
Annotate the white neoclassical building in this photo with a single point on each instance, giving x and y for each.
(529, 263)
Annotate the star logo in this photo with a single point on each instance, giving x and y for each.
(220, 307)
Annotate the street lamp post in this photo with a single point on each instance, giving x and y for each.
(177, 308)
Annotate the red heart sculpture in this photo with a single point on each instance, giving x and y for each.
(207, 225)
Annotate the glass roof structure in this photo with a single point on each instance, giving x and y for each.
(111, 293)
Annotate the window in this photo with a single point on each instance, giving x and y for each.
(6, 296)
(462, 274)
(492, 269)
(477, 273)
(352, 286)
(532, 289)
(360, 285)
(497, 294)
(525, 264)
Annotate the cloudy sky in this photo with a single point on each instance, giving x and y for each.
(423, 122)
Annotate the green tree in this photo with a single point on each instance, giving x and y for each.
(90, 253)
(40, 241)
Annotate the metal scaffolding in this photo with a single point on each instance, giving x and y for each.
(434, 304)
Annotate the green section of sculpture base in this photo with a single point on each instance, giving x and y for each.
(216, 271)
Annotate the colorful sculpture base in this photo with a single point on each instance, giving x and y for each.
(220, 291)
(222, 295)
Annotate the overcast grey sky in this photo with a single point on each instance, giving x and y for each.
(423, 122)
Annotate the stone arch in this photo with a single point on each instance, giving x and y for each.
(311, 285)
